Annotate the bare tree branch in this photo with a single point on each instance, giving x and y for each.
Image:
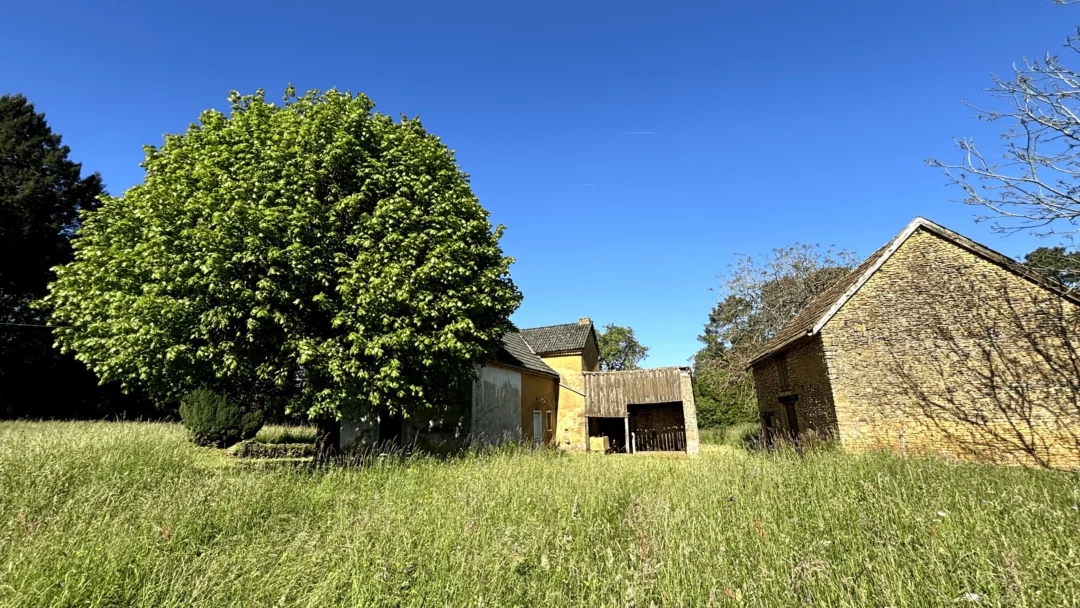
(1035, 186)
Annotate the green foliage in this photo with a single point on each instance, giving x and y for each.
(1056, 263)
(743, 436)
(723, 396)
(215, 420)
(760, 297)
(619, 348)
(313, 251)
(41, 194)
(129, 514)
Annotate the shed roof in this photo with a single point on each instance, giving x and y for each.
(559, 338)
(817, 313)
(516, 351)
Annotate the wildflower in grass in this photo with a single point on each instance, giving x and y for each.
(942, 514)
(971, 597)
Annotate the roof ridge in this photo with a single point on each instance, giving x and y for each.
(640, 369)
(882, 255)
(555, 325)
(526, 341)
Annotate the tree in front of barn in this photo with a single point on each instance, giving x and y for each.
(312, 252)
(620, 349)
(42, 192)
(760, 296)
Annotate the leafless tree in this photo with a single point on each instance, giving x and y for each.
(1035, 186)
(760, 295)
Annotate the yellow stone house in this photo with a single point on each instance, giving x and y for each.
(934, 344)
(534, 390)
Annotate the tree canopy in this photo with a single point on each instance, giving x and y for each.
(620, 349)
(314, 250)
(760, 296)
(1058, 263)
(42, 192)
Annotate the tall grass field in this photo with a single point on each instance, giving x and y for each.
(132, 514)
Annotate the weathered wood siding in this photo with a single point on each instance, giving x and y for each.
(608, 393)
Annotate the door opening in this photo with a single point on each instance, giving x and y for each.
(792, 418)
(538, 427)
(657, 427)
(612, 428)
(391, 425)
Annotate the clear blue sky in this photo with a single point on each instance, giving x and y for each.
(629, 148)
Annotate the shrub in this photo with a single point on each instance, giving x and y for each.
(216, 421)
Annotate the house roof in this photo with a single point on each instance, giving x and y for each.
(559, 338)
(517, 352)
(817, 313)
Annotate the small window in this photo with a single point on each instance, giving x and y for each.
(550, 424)
(781, 375)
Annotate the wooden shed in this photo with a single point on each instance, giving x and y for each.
(643, 410)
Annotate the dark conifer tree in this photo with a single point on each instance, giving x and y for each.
(41, 194)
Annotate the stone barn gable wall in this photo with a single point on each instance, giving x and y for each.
(937, 353)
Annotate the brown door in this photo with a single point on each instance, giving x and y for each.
(792, 420)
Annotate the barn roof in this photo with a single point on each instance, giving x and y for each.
(608, 394)
(516, 351)
(817, 313)
(559, 338)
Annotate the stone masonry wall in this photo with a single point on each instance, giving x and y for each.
(686, 389)
(808, 378)
(945, 352)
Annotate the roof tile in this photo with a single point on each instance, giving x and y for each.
(515, 351)
(558, 338)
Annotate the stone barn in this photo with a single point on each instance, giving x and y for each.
(934, 344)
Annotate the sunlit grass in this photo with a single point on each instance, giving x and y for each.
(131, 514)
(736, 436)
(280, 433)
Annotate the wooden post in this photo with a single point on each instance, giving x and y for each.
(626, 435)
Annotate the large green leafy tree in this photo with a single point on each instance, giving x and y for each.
(41, 194)
(620, 349)
(313, 250)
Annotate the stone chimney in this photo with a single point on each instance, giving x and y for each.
(584, 321)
